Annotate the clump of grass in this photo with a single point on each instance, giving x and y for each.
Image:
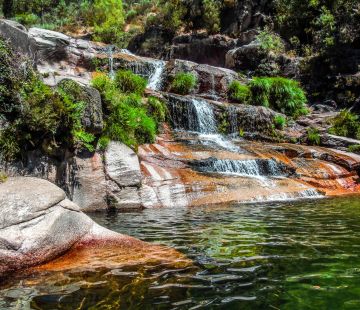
(281, 94)
(279, 122)
(346, 124)
(313, 136)
(354, 148)
(129, 83)
(129, 119)
(239, 92)
(183, 83)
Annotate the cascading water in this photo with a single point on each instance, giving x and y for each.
(249, 167)
(155, 80)
(110, 53)
(197, 116)
(233, 120)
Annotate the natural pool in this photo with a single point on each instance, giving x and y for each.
(298, 255)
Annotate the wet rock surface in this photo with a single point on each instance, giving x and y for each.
(38, 224)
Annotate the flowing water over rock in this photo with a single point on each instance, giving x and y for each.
(271, 256)
(156, 78)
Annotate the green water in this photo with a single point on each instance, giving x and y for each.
(302, 255)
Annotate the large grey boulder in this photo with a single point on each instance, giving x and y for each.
(47, 44)
(37, 223)
(16, 34)
(122, 165)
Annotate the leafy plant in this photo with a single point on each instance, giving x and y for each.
(346, 124)
(183, 83)
(279, 121)
(313, 136)
(239, 92)
(279, 93)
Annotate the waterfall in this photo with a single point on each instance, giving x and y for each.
(205, 115)
(233, 120)
(155, 80)
(197, 116)
(110, 52)
(249, 167)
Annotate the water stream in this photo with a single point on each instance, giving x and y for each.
(271, 256)
(155, 80)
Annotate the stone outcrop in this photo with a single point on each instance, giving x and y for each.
(39, 225)
(92, 116)
(201, 48)
(122, 165)
(212, 81)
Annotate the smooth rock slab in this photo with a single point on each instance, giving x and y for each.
(122, 165)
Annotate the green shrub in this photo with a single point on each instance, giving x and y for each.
(239, 92)
(279, 122)
(108, 18)
(313, 136)
(128, 119)
(281, 94)
(183, 83)
(270, 42)
(27, 19)
(211, 15)
(346, 124)
(128, 82)
(354, 148)
(157, 109)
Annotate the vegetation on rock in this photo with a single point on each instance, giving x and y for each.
(183, 83)
(281, 94)
(239, 92)
(313, 136)
(346, 124)
(130, 119)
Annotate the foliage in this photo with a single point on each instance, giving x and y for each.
(157, 109)
(27, 19)
(354, 148)
(279, 121)
(37, 116)
(346, 124)
(183, 83)
(281, 94)
(3, 177)
(318, 23)
(128, 118)
(270, 42)
(239, 92)
(211, 15)
(108, 20)
(128, 82)
(313, 136)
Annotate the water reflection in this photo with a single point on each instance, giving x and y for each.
(276, 256)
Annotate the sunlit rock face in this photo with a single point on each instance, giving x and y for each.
(38, 224)
(194, 173)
